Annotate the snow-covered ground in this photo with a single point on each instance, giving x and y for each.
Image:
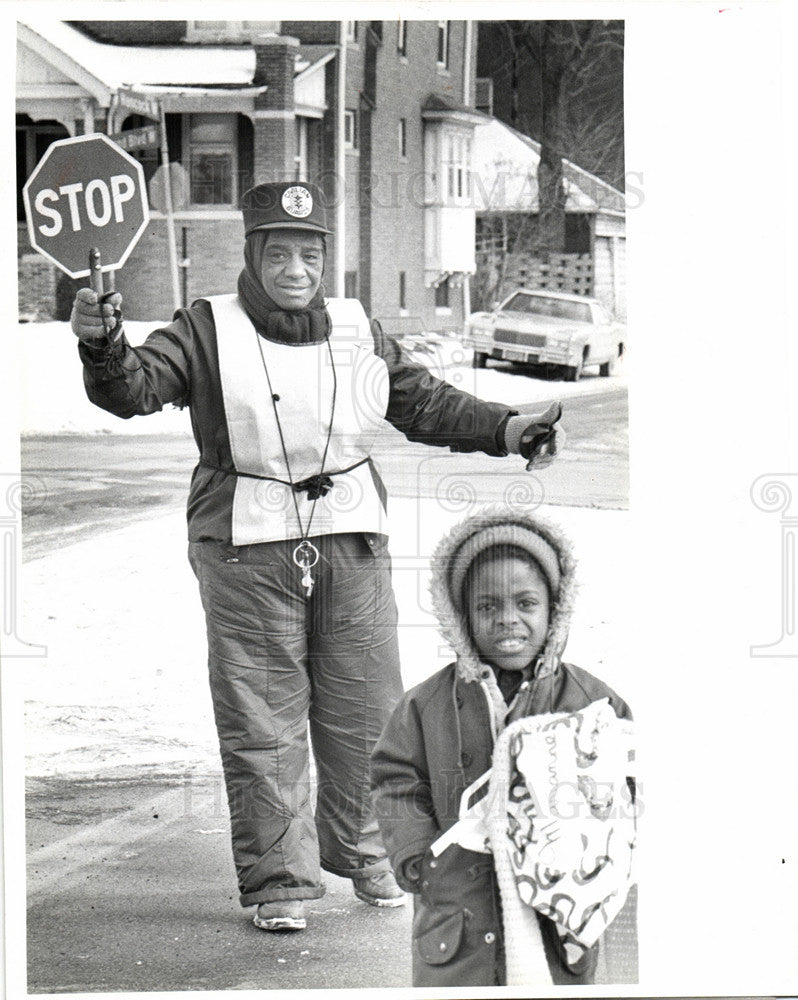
(121, 686)
(53, 399)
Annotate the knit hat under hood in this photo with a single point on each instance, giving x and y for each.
(497, 524)
(310, 325)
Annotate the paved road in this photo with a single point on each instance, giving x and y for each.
(78, 485)
(593, 470)
(131, 888)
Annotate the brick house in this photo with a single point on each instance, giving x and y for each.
(379, 113)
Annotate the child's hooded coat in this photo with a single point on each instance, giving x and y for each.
(438, 741)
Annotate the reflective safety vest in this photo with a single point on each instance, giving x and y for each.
(262, 380)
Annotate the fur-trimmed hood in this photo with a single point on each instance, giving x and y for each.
(453, 623)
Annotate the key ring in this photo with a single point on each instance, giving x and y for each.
(303, 554)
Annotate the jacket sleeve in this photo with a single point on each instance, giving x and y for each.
(429, 410)
(129, 381)
(401, 790)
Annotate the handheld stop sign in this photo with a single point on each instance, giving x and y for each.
(86, 206)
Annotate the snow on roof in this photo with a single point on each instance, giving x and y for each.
(131, 66)
(312, 57)
(505, 164)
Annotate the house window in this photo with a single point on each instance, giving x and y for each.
(458, 174)
(301, 158)
(403, 137)
(212, 158)
(33, 139)
(401, 41)
(350, 129)
(443, 44)
(308, 147)
(351, 31)
(403, 290)
(350, 284)
(442, 295)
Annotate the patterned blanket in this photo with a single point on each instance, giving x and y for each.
(568, 830)
(560, 820)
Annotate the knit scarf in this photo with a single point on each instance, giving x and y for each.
(286, 326)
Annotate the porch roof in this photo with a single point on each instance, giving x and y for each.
(104, 69)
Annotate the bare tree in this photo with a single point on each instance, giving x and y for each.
(564, 81)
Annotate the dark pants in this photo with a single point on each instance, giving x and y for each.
(279, 661)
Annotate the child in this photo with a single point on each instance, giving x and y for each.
(503, 589)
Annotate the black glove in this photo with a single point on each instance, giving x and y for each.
(408, 874)
(112, 331)
(535, 437)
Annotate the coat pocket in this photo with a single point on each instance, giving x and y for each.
(440, 943)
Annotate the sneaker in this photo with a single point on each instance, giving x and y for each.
(281, 915)
(379, 890)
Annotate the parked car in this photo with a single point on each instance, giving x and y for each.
(536, 327)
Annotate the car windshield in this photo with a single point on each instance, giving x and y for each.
(541, 305)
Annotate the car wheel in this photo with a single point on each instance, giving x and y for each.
(480, 360)
(574, 372)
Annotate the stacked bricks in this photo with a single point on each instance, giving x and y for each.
(570, 273)
(214, 251)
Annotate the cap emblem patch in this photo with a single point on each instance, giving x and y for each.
(298, 201)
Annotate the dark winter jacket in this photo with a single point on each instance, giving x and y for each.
(179, 364)
(438, 741)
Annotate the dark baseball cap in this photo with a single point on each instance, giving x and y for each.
(284, 205)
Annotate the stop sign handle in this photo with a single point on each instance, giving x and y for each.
(96, 274)
(112, 323)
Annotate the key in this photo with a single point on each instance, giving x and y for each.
(306, 555)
